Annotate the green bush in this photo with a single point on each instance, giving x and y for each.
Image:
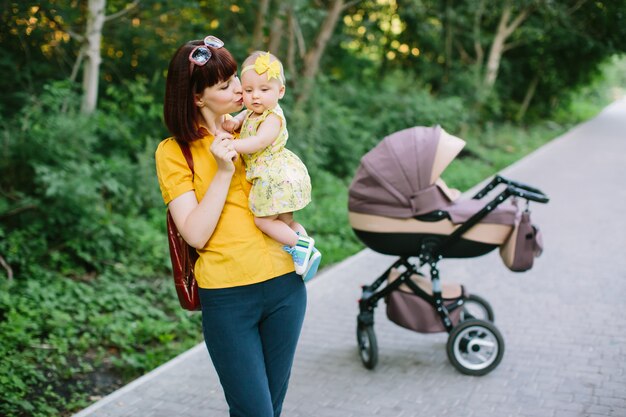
(326, 218)
(342, 122)
(72, 197)
(82, 226)
(59, 335)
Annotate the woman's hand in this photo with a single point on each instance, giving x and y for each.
(196, 221)
(224, 152)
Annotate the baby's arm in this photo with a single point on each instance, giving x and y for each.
(266, 134)
(234, 123)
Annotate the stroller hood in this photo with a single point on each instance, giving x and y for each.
(399, 177)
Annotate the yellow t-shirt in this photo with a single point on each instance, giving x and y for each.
(237, 253)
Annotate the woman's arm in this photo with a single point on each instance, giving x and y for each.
(196, 221)
(266, 134)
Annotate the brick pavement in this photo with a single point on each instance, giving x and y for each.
(563, 321)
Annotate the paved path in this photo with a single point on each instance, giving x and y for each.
(564, 322)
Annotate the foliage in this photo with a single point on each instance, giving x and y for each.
(82, 224)
(65, 189)
(443, 46)
(495, 147)
(585, 102)
(446, 45)
(564, 49)
(326, 218)
(343, 121)
(61, 336)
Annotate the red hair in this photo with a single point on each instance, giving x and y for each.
(179, 110)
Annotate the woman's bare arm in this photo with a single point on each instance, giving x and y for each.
(196, 221)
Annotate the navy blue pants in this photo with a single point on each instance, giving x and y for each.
(251, 333)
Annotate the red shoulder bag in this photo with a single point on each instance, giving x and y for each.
(183, 256)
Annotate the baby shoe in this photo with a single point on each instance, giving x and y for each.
(314, 263)
(301, 253)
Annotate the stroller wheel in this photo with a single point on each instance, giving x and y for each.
(475, 347)
(475, 307)
(368, 347)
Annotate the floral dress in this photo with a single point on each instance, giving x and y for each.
(280, 180)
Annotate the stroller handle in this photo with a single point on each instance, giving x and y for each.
(528, 195)
(516, 188)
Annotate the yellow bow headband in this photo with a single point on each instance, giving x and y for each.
(262, 64)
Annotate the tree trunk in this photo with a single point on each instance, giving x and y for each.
(259, 25)
(449, 35)
(276, 31)
(314, 55)
(498, 46)
(291, 46)
(478, 48)
(7, 268)
(93, 38)
(532, 87)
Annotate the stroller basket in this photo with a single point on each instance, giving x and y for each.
(415, 312)
(399, 205)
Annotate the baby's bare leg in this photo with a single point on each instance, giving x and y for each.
(294, 225)
(277, 229)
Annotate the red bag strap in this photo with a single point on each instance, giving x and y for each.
(188, 157)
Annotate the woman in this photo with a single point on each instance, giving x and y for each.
(253, 302)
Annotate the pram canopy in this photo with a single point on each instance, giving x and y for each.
(400, 178)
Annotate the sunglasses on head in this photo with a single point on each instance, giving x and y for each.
(200, 55)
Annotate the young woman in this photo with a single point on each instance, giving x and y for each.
(253, 303)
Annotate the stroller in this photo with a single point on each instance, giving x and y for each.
(399, 205)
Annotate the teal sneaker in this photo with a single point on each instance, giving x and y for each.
(301, 253)
(314, 263)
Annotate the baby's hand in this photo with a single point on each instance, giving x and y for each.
(231, 125)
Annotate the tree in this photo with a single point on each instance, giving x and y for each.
(54, 39)
(96, 18)
(573, 39)
(93, 38)
(259, 24)
(506, 26)
(509, 55)
(310, 58)
(35, 48)
(313, 56)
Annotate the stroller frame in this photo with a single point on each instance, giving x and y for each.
(430, 253)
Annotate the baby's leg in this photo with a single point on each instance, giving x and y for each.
(277, 230)
(294, 225)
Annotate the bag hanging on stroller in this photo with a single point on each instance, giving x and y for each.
(399, 205)
(523, 245)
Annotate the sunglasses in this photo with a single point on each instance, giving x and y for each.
(200, 55)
